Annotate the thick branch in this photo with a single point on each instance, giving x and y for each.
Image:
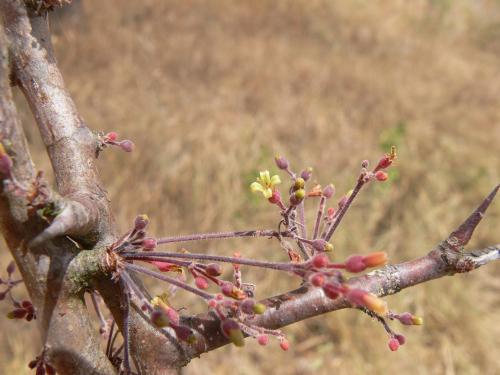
(44, 272)
(70, 144)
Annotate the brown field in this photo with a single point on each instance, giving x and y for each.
(210, 90)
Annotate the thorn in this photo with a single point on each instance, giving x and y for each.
(73, 219)
(461, 236)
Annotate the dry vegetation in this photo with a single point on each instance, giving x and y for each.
(209, 91)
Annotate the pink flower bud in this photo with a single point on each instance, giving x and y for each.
(149, 244)
(320, 260)
(164, 266)
(112, 136)
(381, 176)
(328, 191)
(401, 339)
(306, 174)
(393, 344)
(284, 344)
(247, 306)
(201, 282)
(365, 164)
(406, 318)
(385, 162)
(275, 198)
(281, 162)
(212, 303)
(319, 244)
(126, 145)
(317, 279)
(355, 264)
(263, 339)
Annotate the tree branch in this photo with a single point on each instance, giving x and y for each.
(44, 272)
(70, 144)
(307, 302)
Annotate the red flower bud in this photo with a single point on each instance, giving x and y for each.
(328, 191)
(275, 198)
(401, 339)
(320, 260)
(263, 339)
(201, 282)
(112, 136)
(317, 279)
(381, 176)
(393, 344)
(284, 344)
(331, 290)
(165, 266)
(149, 244)
(355, 264)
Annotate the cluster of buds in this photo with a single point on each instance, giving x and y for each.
(136, 238)
(41, 366)
(23, 309)
(111, 139)
(323, 273)
(233, 301)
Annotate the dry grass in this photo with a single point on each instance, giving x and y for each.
(209, 91)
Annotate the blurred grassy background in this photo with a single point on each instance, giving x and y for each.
(210, 90)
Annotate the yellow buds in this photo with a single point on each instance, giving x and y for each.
(417, 320)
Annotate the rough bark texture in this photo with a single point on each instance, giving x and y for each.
(56, 270)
